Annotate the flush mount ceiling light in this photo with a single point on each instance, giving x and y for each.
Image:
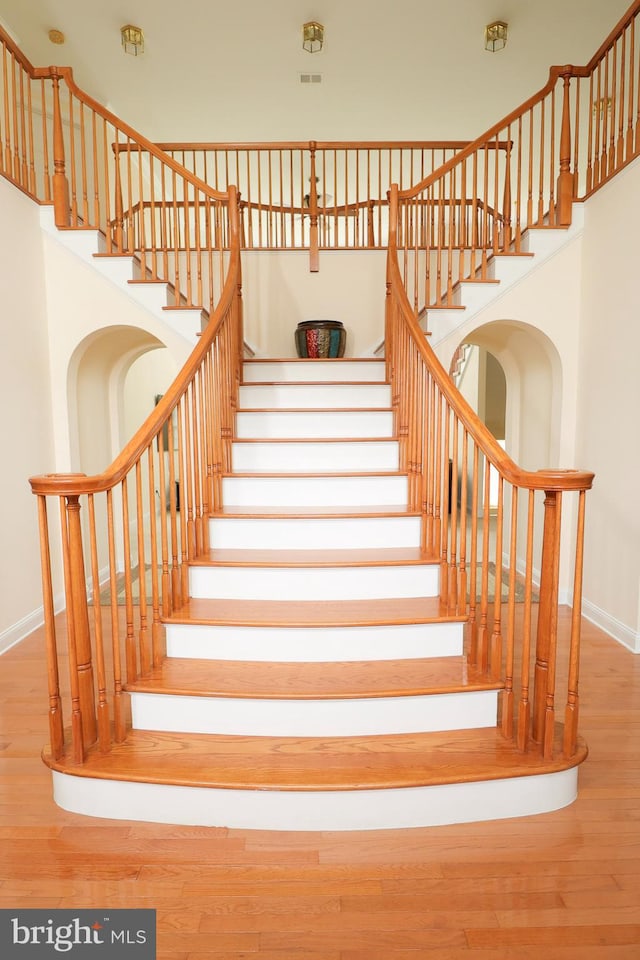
(132, 39)
(56, 36)
(312, 36)
(495, 36)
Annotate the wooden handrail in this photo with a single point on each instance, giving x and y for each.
(144, 519)
(448, 454)
(553, 158)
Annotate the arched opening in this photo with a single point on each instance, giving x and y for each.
(113, 379)
(511, 375)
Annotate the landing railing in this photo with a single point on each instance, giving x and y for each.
(316, 195)
(127, 535)
(490, 553)
(560, 146)
(63, 148)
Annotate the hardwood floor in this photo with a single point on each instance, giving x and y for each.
(563, 886)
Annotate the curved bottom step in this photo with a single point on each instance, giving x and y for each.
(338, 810)
(327, 783)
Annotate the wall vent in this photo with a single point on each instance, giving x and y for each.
(310, 78)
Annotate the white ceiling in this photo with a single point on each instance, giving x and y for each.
(413, 69)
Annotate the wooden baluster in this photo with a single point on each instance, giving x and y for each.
(571, 711)
(495, 651)
(506, 200)
(524, 704)
(60, 182)
(8, 160)
(632, 50)
(506, 717)
(80, 619)
(144, 646)
(544, 693)
(45, 143)
(473, 561)
(56, 725)
(314, 260)
(621, 103)
(104, 725)
(565, 178)
(590, 146)
(118, 231)
(157, 650)
(119, 710)
(611, 156)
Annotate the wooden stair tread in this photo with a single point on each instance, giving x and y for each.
(313, 613)
(313, 680)
(308, 410)
(377, 510)
(315, 763)
(314, 383)
(336, 360)
(302, 474)
(356, 557)
(319, 440)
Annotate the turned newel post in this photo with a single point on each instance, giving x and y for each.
(542, 730)
(565, 178)
(314, 258)
(60, 182)
(80, 658)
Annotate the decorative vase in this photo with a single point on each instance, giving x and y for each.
(320, 339)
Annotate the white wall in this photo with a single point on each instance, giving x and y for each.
(25, 398)
(609, 404)
(279, 292)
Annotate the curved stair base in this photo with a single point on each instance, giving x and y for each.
(338, 810)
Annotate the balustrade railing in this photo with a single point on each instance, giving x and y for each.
(63, 148)
(490, 551)
(558, 147)
(128, 534)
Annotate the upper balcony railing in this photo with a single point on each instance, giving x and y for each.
(63, 148)
(560, 146)
(314, 195)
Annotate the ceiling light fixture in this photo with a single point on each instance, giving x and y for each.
(132, 39)
(312, 36)
(495, 36)
(56, 36)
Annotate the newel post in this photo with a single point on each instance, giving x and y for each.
(566, 184)
(543, 720)
(314, 257)
(60, 182)
(80, 658)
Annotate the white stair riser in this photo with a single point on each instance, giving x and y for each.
(313, 371)
(314, 718)
(313, 583)
(391, 809)
(334, 423)
(314, 491)
(408, 641)
(300, 533)
(307, 396)
(301, 457)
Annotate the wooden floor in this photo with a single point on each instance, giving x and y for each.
(561, 886)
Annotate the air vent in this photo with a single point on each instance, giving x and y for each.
(310, 78)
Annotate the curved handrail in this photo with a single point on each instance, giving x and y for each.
(79, 484)
(533, 480)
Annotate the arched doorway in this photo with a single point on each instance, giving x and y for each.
(515, 386)
(112, 381)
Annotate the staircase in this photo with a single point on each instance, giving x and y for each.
(313, 680)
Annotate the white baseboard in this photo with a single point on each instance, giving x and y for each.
(615, 628)
(18, 631)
